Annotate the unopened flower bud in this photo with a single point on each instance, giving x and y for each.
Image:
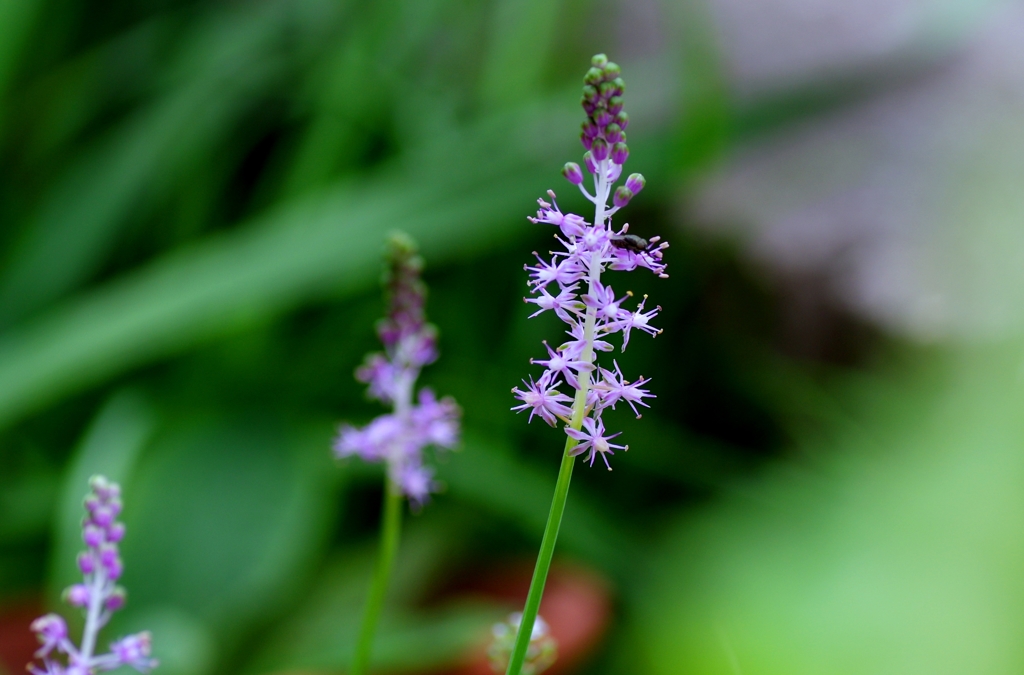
(117, 599)
(620, 153)
(620, 86)
(108, 554)
(86, 563)
(572, 173)
(603, 118)
(599, 150)
(587, 141)
(635, 182)
(613, 133)
(622, 119)
(77, 595)
(611, 70)
(92, 536)
(588, 159)
(115, 532)
(588, 128)
(615, 104)
(103, 516)
(590, 93)
(104, 489)
(116, 568)
(593, 77)
(606, 91)
(622, 196)
(599, 60)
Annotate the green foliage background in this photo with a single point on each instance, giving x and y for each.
(194, 199)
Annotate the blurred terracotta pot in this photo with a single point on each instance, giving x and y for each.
(576, 606)
(17, 643)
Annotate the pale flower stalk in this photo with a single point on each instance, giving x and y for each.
(98, 596)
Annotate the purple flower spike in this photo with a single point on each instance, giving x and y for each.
(98, 595)
(587, 303)
(399, 438)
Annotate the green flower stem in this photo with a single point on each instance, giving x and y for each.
(390, 528)
(579, 410)
(540, 572)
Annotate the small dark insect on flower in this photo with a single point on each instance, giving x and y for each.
(630, 242)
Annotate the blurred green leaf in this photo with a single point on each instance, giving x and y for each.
(704, 126)
(225, 517)
(26, 504)
(17, 18)
(488, 474)
(229, 59)
(522, 35)
(65, 103)
(328, 242)
(182, 644)
(899, 553)
(321, 633)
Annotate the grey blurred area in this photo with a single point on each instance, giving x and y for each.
(906, 204)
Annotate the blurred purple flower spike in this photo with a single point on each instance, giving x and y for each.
(399, 437)
(99, 595)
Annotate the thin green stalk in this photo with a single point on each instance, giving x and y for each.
(579, 411)
(540, 572)
(390, 528)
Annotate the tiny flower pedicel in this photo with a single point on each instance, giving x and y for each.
(98, 596)
(570, 284)
(398, 438)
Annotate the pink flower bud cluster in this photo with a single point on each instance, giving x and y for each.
(399, 437)
(569, 283)
(98, 596)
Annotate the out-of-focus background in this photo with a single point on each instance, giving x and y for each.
(193, 202)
